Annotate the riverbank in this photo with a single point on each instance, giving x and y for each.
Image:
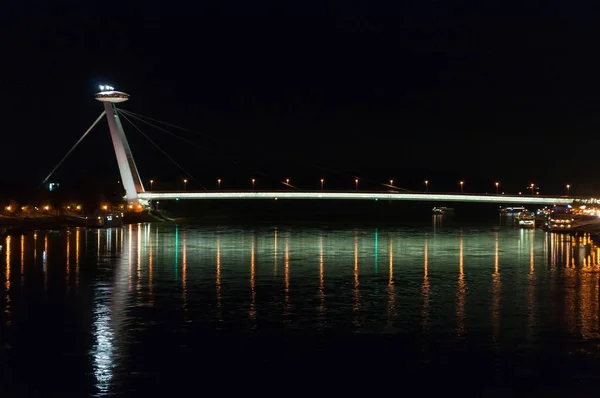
(19, 225)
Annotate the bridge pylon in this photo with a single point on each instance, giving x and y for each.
(130, 176)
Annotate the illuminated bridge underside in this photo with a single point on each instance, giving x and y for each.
(425, 197)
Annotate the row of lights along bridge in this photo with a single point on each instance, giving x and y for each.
(461, 184)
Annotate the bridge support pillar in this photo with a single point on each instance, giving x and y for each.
(129, 174)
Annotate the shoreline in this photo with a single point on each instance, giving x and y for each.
(19, 225)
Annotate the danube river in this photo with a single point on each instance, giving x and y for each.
(188, 309)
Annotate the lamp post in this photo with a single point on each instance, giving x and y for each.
(532, 186)
(392, 183)
(151, 183)
(568, 189)
(185, 184)
(253, 182)
(426, 185)
(287, 182)
(356, 183)
(218, 183)
(497, 185)
(462, 184)
(322, 181)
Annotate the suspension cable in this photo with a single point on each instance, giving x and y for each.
(142, 118)
(130, 114)
(163, 152)
(234, 161)
(74, 146)
(320, 168)
(167, 124)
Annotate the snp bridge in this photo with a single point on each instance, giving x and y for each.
(138, 196)
(321, 195)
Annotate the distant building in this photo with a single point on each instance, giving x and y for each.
(51, 186)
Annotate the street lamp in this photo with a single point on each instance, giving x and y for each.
(253, 181)
(462, 183)
(568, 189)
(218, 183)
(426, 185)
(392, 183)
(185, 184)
(151, 182)
(356, 183)
(532, 186)
(287, 182)
(322, 181)
(497, 185)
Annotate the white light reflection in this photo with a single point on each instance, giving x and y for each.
(110, 304)
(102, 351)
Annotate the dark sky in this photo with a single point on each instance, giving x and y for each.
(478, 93)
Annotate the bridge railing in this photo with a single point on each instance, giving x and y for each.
(364, 192)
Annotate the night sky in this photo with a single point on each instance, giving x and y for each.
(430, 91)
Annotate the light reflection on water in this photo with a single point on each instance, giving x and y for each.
(498, 288)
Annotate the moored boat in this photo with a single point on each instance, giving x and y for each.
(560, 220)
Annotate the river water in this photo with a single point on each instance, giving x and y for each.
(190, 309)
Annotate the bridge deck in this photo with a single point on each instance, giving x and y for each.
(312, 195)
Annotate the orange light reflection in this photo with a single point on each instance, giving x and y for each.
(252, 311)
(356, 291)
(461, 290)
(496, 285)
(7, 302)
